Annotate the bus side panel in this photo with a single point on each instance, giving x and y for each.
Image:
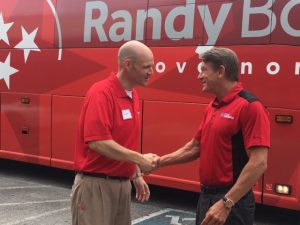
(100, 23)
(288, 31)
(168, 126)
(45, 74)
(26, 127)
(283, 165)
(80, 68)
(172, 29)
(272, 74)
(29, 17)
(65, 114)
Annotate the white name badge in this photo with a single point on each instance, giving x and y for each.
(126, 114)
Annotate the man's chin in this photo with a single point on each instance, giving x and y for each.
(143, 84)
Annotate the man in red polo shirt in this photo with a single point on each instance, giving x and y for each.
(232, 142)
(108, 138)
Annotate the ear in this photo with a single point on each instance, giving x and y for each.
(127, 64)
(222, 71)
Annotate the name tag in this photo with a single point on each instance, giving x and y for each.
(126, 114)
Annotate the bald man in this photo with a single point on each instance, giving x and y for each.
(108, 139)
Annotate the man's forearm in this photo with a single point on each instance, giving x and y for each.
(249, 176)
(187, 153)
(113, 150)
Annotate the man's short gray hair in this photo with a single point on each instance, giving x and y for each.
(226, 57)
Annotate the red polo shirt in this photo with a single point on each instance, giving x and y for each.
(108, 113)
(231, 126)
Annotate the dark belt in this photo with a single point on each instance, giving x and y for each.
(101, 175)
(214, 190)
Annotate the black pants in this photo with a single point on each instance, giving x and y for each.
(241, 214)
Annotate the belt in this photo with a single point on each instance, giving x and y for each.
(101, 175)
(214, 190)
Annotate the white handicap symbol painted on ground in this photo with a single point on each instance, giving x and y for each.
(167, 217)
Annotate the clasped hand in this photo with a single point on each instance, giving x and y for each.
(149, 162)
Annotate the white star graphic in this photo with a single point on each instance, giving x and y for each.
(4, 27)
(6, 70)
(28, 44)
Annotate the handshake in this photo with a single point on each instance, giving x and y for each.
(149, 162)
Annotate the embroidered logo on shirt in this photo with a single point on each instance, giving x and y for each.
(227, 116)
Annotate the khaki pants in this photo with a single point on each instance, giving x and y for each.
(100, 201)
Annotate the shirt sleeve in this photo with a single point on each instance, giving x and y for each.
(255, 125)
(197, 135)
(98, 121)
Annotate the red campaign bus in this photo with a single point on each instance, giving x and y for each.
(52, 51)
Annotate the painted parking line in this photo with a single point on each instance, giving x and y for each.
(24, 187)
(18, 179)
(34, 202)
(27, 219)
(167, 217)
(136, 221)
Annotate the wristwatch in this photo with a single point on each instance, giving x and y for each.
(227, 202)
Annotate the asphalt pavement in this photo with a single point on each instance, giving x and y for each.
(37, 195)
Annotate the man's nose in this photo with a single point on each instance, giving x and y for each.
(200, 76)
(150, 72)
